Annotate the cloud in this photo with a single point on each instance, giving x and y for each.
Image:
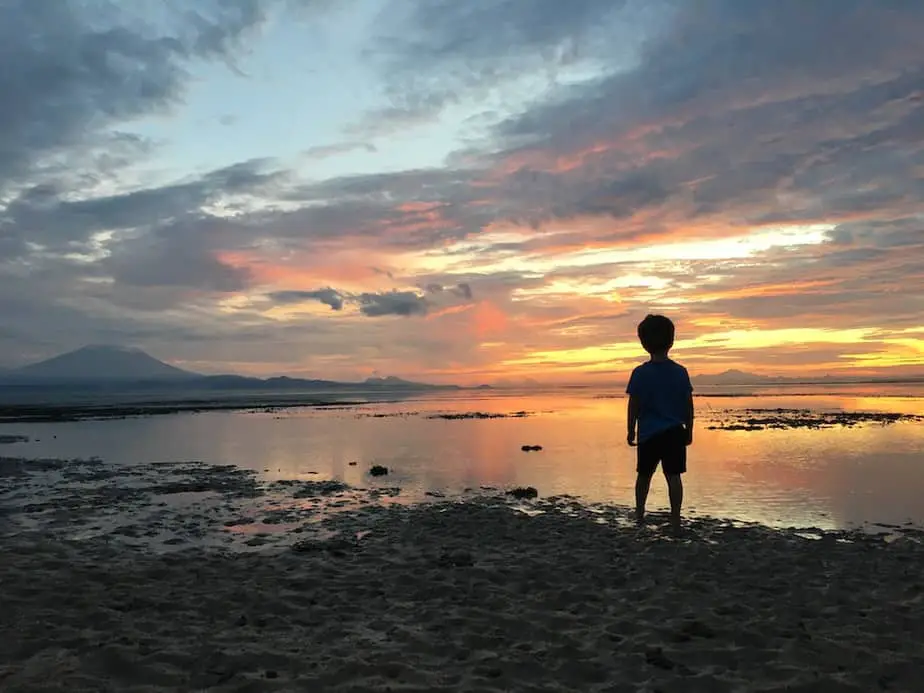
(328, 296)
(371, 304)
(404, 303)
(74, 70)
(339, 149)
(378, 304)
(462, 290)
(176, 254)
(444, 31)
(644, 157)
(438, 53)
(44, 213)
(734, 105)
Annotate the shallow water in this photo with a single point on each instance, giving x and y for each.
(829, 478)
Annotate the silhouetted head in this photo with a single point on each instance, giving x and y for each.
(656, 333)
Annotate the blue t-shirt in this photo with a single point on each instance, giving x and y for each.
(662, 389)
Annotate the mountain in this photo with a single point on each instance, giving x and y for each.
(102, 363)
(732, 377)
(392, 383)
(113, 368)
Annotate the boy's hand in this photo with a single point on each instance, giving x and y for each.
(630, 439)
(689, 436)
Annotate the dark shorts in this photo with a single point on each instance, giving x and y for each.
(668, 447)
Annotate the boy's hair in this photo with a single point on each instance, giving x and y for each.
(656, 333)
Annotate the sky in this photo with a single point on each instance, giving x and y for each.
(467, 192)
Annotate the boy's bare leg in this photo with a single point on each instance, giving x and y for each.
(642, 485)
(675, 492)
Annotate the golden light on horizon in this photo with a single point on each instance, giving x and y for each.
(904, 351)
(593, 357)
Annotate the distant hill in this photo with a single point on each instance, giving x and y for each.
(392, 383)
(732, 377)
(283, 382)
(97, 367)
(102, 363)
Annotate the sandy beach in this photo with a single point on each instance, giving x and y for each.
(187, 577)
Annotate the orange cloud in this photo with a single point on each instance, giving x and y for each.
(303, 271)
(629, 143)
(787, 289)
(488, 319)
(417, 207)
(450, 310)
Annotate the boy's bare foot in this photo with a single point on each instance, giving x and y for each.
(639, 517)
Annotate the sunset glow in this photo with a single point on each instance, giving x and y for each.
(498, 194)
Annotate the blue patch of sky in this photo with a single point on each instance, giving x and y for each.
(305, 83)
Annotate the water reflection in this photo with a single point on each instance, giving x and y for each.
(828, 478)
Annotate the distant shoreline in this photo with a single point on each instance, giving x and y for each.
(54, 413)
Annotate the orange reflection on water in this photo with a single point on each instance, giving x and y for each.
(902, 405)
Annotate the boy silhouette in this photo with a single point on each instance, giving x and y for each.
(661, 408)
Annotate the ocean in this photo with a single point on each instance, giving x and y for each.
(810, 460)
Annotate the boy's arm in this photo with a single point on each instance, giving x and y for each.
(689, 421)
(632, 419)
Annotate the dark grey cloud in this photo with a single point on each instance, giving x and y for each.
(404, 303)
(177, 254)
(759, 166)
(736, 105)
(73, 73)
(438, 52)
(64, 75)
(415, 209)
(622, 197)
(43, 213)
(72, 70)
(371, 304)
(874, 236)
(486, 31)
(726, 55)
(329, 297)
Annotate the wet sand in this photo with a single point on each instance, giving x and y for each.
(351, 592)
